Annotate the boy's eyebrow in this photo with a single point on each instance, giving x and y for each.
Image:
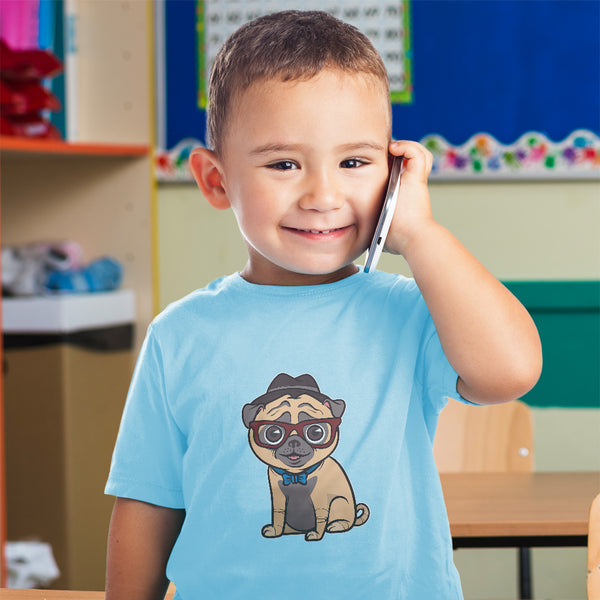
(268, 148)
(361, 146)
(349, 147)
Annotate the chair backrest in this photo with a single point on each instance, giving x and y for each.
(495, 438)
(593, 557)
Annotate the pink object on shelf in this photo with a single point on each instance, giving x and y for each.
(19, 25)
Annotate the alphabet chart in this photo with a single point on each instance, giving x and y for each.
(385, 23)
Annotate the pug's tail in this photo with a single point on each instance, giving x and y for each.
(362, 514)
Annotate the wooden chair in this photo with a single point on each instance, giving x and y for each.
(593, 557)
(486, 439)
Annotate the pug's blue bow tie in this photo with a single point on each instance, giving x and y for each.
(295, 477)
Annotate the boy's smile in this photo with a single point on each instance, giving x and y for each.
(304, 168)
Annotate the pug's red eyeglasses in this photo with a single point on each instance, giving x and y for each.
(319, 433)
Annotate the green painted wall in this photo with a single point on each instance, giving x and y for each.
(567, 315)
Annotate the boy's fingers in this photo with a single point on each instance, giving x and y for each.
(418, 159)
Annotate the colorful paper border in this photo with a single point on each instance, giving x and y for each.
(533, 155)
(482, 157)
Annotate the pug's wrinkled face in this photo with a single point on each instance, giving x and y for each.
(294, 433)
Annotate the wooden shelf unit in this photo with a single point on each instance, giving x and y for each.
(97, 190)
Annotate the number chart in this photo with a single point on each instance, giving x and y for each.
(386, 24)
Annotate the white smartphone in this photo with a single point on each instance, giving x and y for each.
(387, 213)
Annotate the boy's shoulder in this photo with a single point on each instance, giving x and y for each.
(384, 280)
(197, 301)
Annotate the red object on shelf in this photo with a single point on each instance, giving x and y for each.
(28, 64)
(22, 97)
(31, 125)
(11, 100)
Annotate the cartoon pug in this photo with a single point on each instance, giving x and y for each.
(294, 428)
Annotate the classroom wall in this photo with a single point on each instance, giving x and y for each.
(520, 231)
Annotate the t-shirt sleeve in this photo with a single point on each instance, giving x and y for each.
(148, 455)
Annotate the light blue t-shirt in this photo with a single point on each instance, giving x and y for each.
(295, 426)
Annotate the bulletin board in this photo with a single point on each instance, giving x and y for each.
(494, 88)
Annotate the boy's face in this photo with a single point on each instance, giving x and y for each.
(304, 167)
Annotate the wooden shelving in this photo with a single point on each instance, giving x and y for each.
(98, 191)
(24, 146)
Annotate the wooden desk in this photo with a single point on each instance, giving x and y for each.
(519, 509)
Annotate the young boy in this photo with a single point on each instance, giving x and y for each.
(277, 437)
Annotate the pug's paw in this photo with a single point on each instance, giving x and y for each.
(339, 526)
(269, 531)
(313, 536)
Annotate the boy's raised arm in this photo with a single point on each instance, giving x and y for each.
(486, 333)
(140, 540)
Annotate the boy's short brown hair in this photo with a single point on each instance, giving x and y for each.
(288, 45)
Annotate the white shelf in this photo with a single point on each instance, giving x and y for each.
(67, 313)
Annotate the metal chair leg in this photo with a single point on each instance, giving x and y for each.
(525, 583)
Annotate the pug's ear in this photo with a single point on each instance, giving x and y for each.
(208, 173)
(249, 413)
(337, 407)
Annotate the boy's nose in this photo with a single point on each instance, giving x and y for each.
(321, 193)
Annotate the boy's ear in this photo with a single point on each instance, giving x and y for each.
(206, 168)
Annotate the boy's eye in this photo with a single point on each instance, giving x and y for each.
(283, 165)
(352, 163)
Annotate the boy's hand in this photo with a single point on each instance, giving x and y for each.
(413, 209)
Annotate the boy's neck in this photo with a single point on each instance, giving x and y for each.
(290, 278)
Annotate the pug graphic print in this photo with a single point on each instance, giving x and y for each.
(294, 428)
